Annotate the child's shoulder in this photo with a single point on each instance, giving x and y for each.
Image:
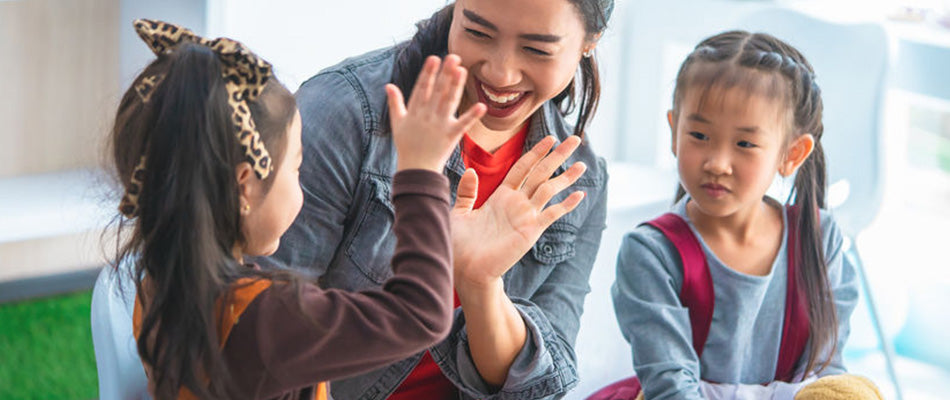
(646, 248)
(831, 232)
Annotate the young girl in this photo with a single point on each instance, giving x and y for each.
(207, 144)
(732, 290)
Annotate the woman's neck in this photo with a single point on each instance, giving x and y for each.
(490, 140)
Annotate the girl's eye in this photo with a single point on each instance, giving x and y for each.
(746, 145)
(535, 51)
(476, 34)
(698, 136)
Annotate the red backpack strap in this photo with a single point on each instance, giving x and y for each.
(697, 291)
(796, 325)
(696, 294)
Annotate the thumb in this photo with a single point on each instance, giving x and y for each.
(397, 106)
(467, 191)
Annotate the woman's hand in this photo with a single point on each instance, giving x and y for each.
(427, 131)
(488, 241)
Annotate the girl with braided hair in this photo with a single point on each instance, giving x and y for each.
(207, 144)
(733, 294)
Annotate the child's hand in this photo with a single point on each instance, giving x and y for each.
(428, 131)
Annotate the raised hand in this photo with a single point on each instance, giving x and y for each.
(426, 132)
(490, 240)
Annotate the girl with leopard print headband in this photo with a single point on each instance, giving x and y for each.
(207, 145)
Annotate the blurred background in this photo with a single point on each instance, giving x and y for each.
(884, 66)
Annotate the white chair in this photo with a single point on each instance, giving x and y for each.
(121, 375)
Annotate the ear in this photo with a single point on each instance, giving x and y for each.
(796, 154)
(246, 185)
(591, 44)
(669, 119)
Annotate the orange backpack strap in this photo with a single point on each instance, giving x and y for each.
(243, 292)
(321, 392)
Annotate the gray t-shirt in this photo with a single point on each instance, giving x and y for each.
(746, 330)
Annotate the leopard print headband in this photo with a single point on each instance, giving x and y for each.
(245, 75)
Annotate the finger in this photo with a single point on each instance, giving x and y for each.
(422, 90)
(556, 185)
(397, 105)
(544, 169)
(556, 211)
(458, 89)
(467, 120)
(467, 192)
(526, 163)
(446, 83)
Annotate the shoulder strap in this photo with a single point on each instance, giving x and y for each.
(243, 292)
(796, 325)
(697, 291)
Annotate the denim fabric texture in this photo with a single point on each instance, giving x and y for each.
(343, 235)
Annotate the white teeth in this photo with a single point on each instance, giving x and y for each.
(500, 99)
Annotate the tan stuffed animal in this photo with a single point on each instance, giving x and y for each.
(840, 387)
(835, 387)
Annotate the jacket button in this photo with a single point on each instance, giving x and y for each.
(547, 249)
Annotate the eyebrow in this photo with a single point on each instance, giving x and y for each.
(748, 129)
(536, 37)
(697, 118)
(700, 119)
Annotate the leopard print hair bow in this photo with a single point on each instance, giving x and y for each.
(245, 75)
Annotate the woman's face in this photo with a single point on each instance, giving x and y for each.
(519, 54)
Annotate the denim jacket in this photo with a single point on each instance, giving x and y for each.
(343, 235)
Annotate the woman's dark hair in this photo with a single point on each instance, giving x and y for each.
(432, 38)
(764, 65)
(188, 220)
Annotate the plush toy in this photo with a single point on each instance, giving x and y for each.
(832, 387)
(840, 387)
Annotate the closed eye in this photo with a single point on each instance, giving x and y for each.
(535, 51)
(698, 136)
(477, 34)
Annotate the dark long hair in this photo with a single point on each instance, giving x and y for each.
(765, 65)
(188, 219)
(432, 38)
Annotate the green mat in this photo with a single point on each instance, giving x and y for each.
(46, 349)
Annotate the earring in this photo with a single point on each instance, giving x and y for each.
(588, 53)
(247, 208)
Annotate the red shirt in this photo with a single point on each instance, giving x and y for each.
(426, 380)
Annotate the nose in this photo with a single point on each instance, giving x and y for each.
(500, 70)
(717, 163)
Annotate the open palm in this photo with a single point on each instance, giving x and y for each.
(490, 240)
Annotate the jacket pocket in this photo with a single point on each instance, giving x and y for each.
(373, 242)
(556, 244)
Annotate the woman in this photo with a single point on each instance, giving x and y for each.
(521, 291)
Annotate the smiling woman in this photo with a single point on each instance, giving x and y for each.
(521, 293)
